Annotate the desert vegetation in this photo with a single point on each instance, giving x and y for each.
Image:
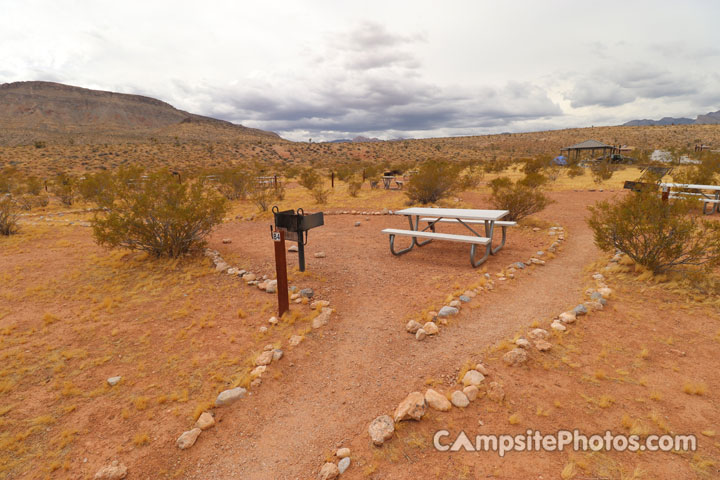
(179, 328)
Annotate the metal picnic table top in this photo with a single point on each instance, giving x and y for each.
(463, 213)
(690, 185)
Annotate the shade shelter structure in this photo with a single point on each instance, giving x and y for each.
(592, 146)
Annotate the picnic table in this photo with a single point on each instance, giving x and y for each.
(466, 217)
(710, 197)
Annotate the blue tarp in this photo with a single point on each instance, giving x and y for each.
(560, 160)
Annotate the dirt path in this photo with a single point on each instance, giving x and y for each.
(364, 363)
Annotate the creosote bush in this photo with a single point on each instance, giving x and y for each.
(437, 178)
(659, 235)
(158, 214)
(8, 215)
(521, 198)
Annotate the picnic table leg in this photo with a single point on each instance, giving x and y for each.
(417, 227)
(413, 240)
(489, 230)
(473, 250)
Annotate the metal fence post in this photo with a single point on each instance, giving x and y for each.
(281, 271)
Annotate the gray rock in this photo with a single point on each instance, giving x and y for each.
(464, 298)
(357, 224)
(343, 465)
(596, 296)
(539, 253)
(520, 265)
(580, 310)
(112, 381)
(447, 311)
(293, 289)
(277, 354)
(307, 292)
(230, 396)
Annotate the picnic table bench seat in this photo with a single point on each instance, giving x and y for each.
(471, 239)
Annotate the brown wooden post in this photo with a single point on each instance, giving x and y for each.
(665, 194)
(332, 179)
(281, 271)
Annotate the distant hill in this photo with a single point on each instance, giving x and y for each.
(57, 113)
(712, 118)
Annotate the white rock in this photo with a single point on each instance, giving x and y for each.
(471, 392)
(319, 255)
(459, 399)
(187, 439)
(112, 381)
(482, 369)
(273, 321)
(542, 345)
(205, 421)
(114, 471)
(413, 407)
(558, 325)
(265, 358)
(381, 429)
(437, 401)
(522, 343)
(257, 371)
(420, 334)
(329, 471)
(472, 377)
(293, 248)
(538, 333)
(295, 340)
(413, 326)
(431, 328)
(343, 452)
(567, 317)
(515, 357)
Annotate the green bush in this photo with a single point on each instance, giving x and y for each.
(436, 179)
(521, 198)
(236, 182)
(65, 187)
(658, 235)
(159, 215)
(354, 186)
(310, 178)
(8, 215)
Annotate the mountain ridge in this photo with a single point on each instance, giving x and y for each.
(55, 112)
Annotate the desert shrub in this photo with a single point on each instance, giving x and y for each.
(706, 173)
(354, 185)
(436, 179)
(33, 185)
(601, 171)
(8, 180)
(575, 170)
(310, 178)
(236, 182)
(65, 188)
(521, 198)
(656, 234)
(262, 195)
(96, 187)
(320, 194)
(159, 215)
(8, 215)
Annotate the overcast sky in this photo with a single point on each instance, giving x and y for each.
(332, 69)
